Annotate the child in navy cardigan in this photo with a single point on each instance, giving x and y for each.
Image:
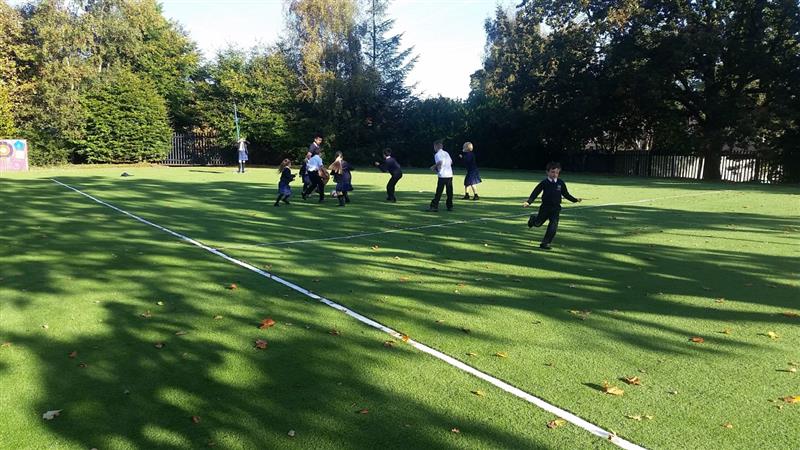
(552, 189)
(284, 190)
(390, 165)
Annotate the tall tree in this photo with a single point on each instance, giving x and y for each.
(391, 63)
(263, 88)
(710, 61)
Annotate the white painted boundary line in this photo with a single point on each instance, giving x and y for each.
(566, 415)
(458, 222)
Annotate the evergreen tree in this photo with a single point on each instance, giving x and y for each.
(126, 120)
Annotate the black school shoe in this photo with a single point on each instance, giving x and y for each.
(465, 197)
(530, 222)
(545, 247)
(475, 197)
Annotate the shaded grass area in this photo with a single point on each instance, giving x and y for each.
(626, 288)
(78, 279)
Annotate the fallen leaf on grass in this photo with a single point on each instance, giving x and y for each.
(404, 279)
(635, 381)
(159, 345)
(50, 415)
(634, 417)
(726, 331)
(266, 323)
(6, 344)
(455, 430)
(581, 314)
(501, 354)
(363, 411)
(471, 354)
(83, 365)
(147, 314)
(772, 335)
(791, 399)
(217, 317)
(261, 344)
(72, 354)
(555, 423)
(388, 344)
(375, 248)
(196, 419)
(719, 300)
(466, 330)
(727, 425)
(291, 433)
(160, 303)
(181, 333)
(405, 338)
(697, 339)
(45, 326)
(791, 314)
(479, 393)
(611, 389)
(334, 332)
(440, 321)
(233, 286)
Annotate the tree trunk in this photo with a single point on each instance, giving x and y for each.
(713, 157)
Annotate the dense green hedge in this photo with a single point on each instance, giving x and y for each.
(126, 121)
(7, 128)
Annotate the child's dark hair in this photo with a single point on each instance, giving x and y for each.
(553, 165)
(438, 143)
(387, 152)
(318, 135)
(284, 164)
(339, 154)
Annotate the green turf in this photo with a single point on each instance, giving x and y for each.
(651, 275)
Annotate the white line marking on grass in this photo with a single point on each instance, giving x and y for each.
(566, 415)
(458, 222)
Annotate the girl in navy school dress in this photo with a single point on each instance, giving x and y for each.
(284, 190)
(341, 175)
(473, 177)
(242, 154)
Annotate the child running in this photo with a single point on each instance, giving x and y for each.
(315, 171)
(284, 190)
(552, 189)
(443, 166)
(390, 165)
(304, 172)
(341, 175)
(473, 177)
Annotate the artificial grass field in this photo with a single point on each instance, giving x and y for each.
(628, 283)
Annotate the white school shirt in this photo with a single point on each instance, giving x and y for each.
(314, 164)
(446, 169)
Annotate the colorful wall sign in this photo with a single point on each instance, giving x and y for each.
(13, 155)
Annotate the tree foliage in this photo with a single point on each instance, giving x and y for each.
(128, 121)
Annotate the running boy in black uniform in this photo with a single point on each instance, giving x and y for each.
(552, 189)
(390, 165)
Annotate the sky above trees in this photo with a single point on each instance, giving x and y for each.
(448, 35)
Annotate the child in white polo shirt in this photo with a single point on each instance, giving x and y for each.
(443, 166)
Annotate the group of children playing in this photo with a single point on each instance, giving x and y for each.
(315, 176)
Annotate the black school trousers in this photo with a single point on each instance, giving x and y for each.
(444, 183)
(316, 183)
(391, 185)
(549, 214)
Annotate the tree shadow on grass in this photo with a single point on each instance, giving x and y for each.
(121, 390)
